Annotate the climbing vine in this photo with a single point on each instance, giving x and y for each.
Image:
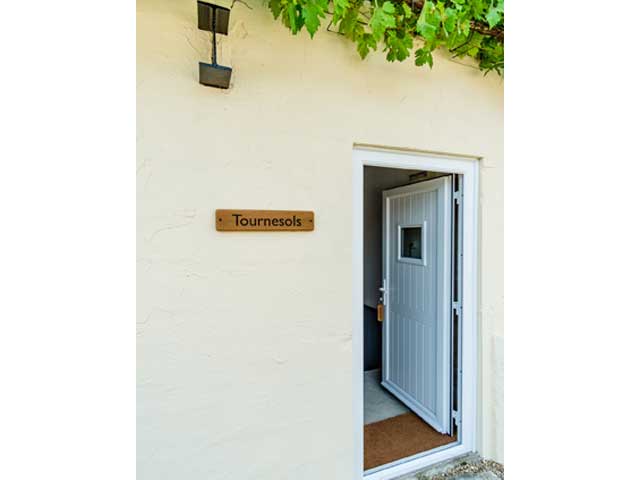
(405, 28)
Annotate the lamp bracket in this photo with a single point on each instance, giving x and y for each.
(208, 12)
(214, 19)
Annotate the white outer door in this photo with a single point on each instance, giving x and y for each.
(416, 333)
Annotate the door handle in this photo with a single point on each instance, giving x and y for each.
(384, 292)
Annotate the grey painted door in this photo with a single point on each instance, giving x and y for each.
(416, 334)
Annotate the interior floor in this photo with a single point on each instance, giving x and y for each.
(379, 404)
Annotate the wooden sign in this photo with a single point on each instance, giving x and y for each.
(264, 220)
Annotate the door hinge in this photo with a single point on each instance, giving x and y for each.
(457, 196)
(455, 414)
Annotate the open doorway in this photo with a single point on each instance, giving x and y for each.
(410, 245)
(409, 367)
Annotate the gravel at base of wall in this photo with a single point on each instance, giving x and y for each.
(468, 467)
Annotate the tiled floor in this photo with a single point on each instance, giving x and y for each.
(379, 404)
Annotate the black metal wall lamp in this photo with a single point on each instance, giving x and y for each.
(214, 19)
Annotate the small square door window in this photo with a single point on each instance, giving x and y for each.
(411, 242)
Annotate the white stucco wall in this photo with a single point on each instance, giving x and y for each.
(244, 340)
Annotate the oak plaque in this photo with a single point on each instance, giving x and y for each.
(264, 220)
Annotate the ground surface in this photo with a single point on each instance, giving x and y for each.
(469, 467)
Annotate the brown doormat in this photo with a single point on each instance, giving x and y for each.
(399, 437)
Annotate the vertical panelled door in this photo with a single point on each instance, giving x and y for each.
(417, 298)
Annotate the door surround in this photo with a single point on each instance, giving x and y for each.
(467, 166)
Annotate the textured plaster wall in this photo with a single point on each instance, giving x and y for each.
(244, 340)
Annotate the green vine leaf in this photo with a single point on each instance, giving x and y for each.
(450, 18)
(340, 7)
(366, 43)
(383, 17)
(406, 10)
(428, 21)
(293, 18)
(312, 12)
(493, 17)
(349, 25)
(276, 8)
(466, 28)
(398, 47)
(423, 57)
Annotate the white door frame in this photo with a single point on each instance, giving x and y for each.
(468, 167)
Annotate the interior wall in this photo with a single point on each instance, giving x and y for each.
(244, 340)
(376, 180)
(372, 339)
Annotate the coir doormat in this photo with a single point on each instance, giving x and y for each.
(399, 437)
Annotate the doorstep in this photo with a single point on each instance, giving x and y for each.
(467, 467)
